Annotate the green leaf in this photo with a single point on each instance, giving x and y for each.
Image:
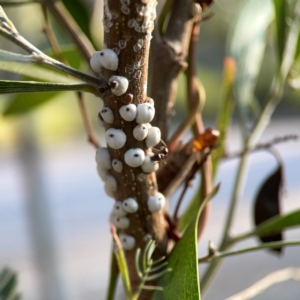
(9, 87)
(246, 46)
(183, 282)
(80, 14)
(189, 212)
(33, 71)
(8, 283)
(24, 103)
(279, 223)
(280, 21)
(71, 54)
(113, 278)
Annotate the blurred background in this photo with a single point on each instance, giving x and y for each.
(53, 211)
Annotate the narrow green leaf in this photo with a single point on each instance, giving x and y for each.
(280, 21)
(80, 14)
(8, 283)
(246, 46)
(279, 223)
(9, 87)
(122, 264)
(183, 282)
(113, 278)
(33, 71)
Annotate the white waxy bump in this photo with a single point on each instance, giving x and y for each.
(120, 222)
(110, 184)
(118, 84)
(153, 137)
(149, 100)
(103, 173)
(95, 63)
(103, 158)
(147, 237)
(117, 165)
(148, 165)
(107, 115)
(145, 113)
(100, 120)
(118, 209)
(108, 59)
(127, 241)
(128, 112)
(130, 205)
(156, 202)
(108, 191)
(115, 138)
(140, 132)
(134, 157)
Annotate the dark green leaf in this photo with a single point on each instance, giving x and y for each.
(267, 204)
(80, 14)
(279, 223)
(183, 282)
(9, 87)
(8, 283)
(280, 21)
(113, 279)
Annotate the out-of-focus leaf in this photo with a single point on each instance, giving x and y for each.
(246, 46)
(279, 223)
(24, 103)
(8, 283)
(183, 282)
(267, 204)
(33, 71)
(71, 54)
(9, 87)
(80, 14)
(225, 110)
(113, 279)
(280, 21)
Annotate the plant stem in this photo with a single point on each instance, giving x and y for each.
(8, 30)
(256, 133)
(271, 279)
(272, 245)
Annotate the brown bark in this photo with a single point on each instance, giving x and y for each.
(169, 60)
(121, 25)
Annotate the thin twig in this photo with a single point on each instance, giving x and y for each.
(256, 133)
(67, 22)
(263, 146)
(190, 176)
(271, 279)
(8, 30)
(216, 255)
(92, 138)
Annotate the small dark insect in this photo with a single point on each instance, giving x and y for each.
(160, 154)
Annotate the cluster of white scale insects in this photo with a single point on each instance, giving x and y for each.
(142, 115)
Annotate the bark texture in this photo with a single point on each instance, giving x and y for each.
(128, 25)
